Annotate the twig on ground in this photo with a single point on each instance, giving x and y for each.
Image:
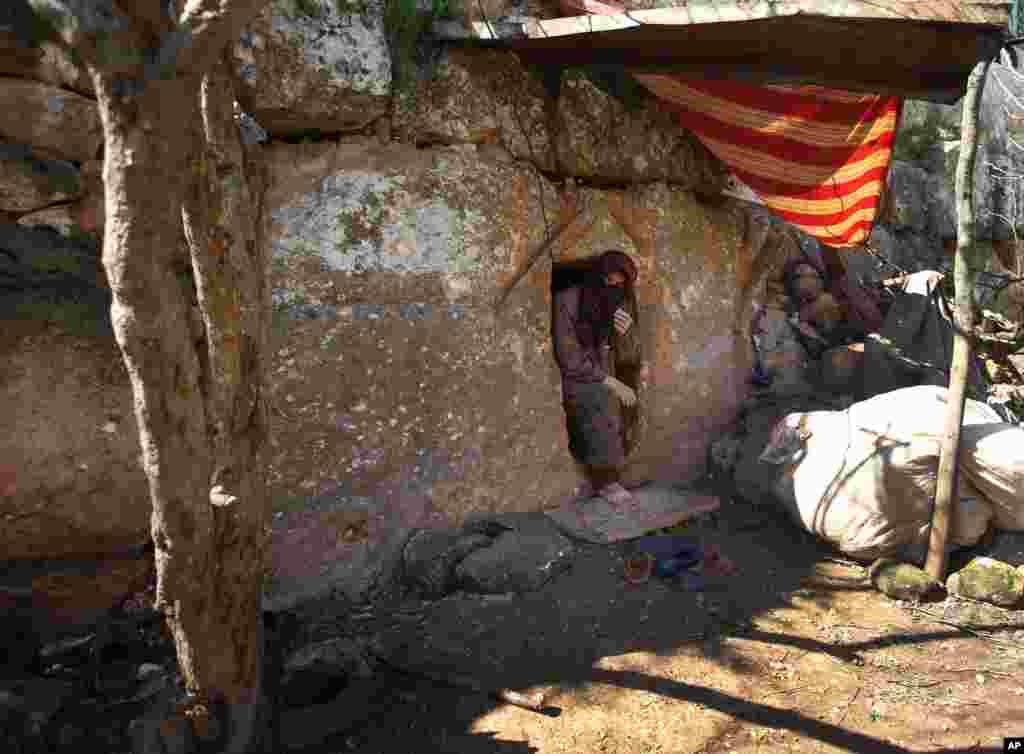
(792, 690)
(534, 702)
(961, 626)
(998, 673)
(918, 685)
(850, 704)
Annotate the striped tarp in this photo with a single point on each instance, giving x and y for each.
(816, 157)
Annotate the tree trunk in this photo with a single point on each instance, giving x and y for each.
(963, 278)
(197, 382)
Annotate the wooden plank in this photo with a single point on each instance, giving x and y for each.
(707, 12)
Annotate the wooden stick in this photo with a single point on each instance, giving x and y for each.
(534, 702)
(963, 278)
(534, 256)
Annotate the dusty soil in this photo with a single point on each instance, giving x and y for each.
(796, 653)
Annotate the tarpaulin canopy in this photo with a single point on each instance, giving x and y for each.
(816, 157)
(800, 98)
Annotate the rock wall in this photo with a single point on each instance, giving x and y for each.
(393, 367)
(393, 376)
(918, 231)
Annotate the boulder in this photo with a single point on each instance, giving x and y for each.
(80, 488)
(47, 63)
(83, 216)
(631, 140)
(520, 560)
(80, 592)
(999, 161)
(925, 127)
(988, 580)
(54, 122)
(431, 556)
(28, 183)
(316, 673)
(490, 98)
(27, 707)
(317, 69)
(921, 201)
(901, 581)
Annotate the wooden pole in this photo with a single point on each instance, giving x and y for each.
(963, 278)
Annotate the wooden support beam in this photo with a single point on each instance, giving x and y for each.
(963, 277)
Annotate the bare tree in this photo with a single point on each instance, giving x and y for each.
(192, 330)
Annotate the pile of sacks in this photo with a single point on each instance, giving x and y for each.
(864, 478)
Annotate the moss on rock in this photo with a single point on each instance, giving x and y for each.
(901, 581)
(988, 580)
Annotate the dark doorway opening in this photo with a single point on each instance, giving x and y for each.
(627, 352)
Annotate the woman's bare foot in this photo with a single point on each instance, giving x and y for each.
(584, 489)
(617, 495)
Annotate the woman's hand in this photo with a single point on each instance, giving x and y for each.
(622, 321)
(621, 390)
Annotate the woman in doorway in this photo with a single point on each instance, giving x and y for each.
(584, 318)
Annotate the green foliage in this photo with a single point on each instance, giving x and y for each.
(67, 264)
(113, 51)
(406, 27)
(87, 237)
(279, 320)
(79, 318)
(232, 183)
(351, 7)
(287, 503)
(305, 136)
(293, 9)
(613, 80)
(64, 183)
(914, 140)
(269, 582)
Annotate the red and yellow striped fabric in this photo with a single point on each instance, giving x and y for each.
(816, 157)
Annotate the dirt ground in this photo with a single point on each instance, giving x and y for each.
(796, 653)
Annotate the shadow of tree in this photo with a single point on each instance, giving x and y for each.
(557, 637)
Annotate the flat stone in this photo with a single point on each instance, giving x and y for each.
(901, 581)
(47, 118)
(520, 560)
(86, 215)
(489, 98)
(46, 62)
(43, 698)
(331, 72)
(321, 669)
(28, 183)
(431, 556)
(656, 506)
(988, 580)
(79, 593)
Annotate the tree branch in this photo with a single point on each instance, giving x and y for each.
(208, 26)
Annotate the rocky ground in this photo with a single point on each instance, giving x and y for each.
(796, 652)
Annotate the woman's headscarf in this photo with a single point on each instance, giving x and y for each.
(599, 301)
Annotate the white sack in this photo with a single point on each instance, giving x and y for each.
(864, 478)
(992, 457)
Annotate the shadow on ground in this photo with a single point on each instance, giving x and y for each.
(582, 633)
